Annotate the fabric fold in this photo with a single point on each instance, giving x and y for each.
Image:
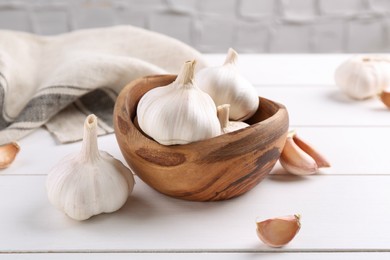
(57, 80)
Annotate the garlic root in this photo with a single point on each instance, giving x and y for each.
(300, 158)
(277, 232)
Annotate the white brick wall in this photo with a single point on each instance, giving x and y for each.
(214, 25)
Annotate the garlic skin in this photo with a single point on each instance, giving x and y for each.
(89, 182)
(227, 126)
(277, 232)
(227, 86)
(363, 76)
(179, 113)
(300, 158)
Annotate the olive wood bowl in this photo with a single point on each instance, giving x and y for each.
(218, 168)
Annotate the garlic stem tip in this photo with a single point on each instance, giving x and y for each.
(232, 57)
(91, 120)
(186, 74)
(291, 133)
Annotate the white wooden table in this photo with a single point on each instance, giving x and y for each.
(345, 209)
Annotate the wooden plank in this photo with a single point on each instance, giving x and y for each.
(338, 213)
(347, 215)
(354, 151)
(40, 152)
(288, 69)
(326, 106)
(197, 256)
(348, 149)
(306, 86)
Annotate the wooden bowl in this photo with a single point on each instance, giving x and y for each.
(219, 168)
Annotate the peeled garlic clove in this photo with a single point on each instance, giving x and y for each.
(363, 76)
(226, 85)
(178, 113)
(277, 232)
(300, 158)
(89, 182)
(226, 125)
(8, 154)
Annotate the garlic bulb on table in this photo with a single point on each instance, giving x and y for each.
(363, 76)
(227, 86)
(178, 113)
(228, 126)
(89, 182)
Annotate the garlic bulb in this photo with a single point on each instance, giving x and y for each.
(226, 125)
(89, 182)
(227, 86)
(178, 113)
(362, 77)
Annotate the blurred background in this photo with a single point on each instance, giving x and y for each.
(249, 26)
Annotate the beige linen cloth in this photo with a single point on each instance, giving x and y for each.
(57, 81)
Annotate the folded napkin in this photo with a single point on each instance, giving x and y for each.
(57, 81)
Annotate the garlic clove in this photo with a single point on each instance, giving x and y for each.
(226, 85)
(8, 154)
(277, 232)
(226, 125)
(385, 97)
(320, 160)
(363, 76)
(89, 182)
(295, 160)
(300, 158)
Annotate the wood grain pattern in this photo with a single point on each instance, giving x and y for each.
(219, 168)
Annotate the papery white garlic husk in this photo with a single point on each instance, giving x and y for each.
(226, 85)
(178, 113)
(228, 126)
(363, 76)
(89, 182)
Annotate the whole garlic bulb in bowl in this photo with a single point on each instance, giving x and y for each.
(178, 113)
(226, 85)
(363, 76)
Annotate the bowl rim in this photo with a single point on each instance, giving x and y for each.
(157, 164)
